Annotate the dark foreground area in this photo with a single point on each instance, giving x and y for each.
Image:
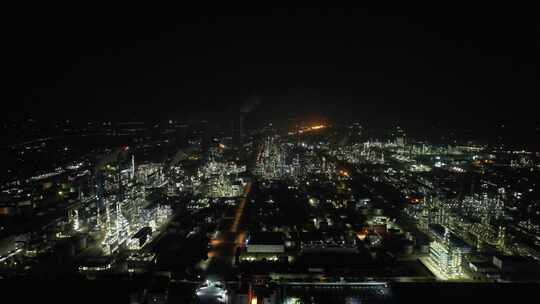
(109, 291)
(464, 292)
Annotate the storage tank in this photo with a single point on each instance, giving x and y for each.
(81, 242)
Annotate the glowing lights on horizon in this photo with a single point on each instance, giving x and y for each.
(308, 129)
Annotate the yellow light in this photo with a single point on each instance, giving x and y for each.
(215, 242)
(253, 300)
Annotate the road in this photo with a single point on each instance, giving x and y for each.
(241, 206)
(221, 256)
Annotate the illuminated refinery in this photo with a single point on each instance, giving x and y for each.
(275, 157)
(321, 204)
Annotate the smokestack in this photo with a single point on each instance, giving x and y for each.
(241, 128)
(249, 105)
(133, 166)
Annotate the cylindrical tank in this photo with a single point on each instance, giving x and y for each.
(409, 247)
(123, 266)
(70, 250)
(80, 242)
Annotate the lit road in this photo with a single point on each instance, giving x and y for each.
(240, 211)
(224, 245)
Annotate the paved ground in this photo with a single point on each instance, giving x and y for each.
(221, 256)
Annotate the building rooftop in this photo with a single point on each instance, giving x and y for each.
(266, 238)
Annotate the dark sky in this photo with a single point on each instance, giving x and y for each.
(454, 65)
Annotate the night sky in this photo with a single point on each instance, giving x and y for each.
(449, 65)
